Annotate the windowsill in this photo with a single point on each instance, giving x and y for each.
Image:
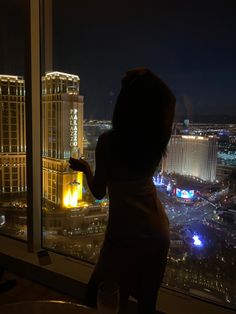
(64, 274)
(70, 276)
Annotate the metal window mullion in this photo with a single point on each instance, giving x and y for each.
(33, 125)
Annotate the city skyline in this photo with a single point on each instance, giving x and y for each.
(201, 210)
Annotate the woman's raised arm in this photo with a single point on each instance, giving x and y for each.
(96, 182)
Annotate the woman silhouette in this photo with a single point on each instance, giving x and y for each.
(136, 242)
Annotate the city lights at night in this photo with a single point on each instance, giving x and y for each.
(87, 50)
(197, 241)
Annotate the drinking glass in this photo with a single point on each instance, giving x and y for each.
(108, 297)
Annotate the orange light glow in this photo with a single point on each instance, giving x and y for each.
(71, 198)
(73, 193)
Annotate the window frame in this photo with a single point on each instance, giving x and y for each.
(33, 125)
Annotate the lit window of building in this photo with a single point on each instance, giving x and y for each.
(12, 135)
(62, 137)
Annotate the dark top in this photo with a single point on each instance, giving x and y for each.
(135, 210)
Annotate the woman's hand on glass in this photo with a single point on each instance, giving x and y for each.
(79, 164)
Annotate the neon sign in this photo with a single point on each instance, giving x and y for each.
(73, 128)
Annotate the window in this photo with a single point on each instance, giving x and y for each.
(111, 39)
(80, 80)
(13, 191)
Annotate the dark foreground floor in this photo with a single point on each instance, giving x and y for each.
(27, 290)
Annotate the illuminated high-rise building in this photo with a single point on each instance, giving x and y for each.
(62, 130)
(12, 135)
(191, 155)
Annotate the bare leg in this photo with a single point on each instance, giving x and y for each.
(149, 282)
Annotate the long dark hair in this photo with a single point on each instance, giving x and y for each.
(142, 120)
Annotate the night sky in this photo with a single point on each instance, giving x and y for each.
(190, 44)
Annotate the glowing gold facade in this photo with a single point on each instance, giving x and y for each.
(62, 137)
(12, 135)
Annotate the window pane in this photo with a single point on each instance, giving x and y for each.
(88, 49)
(13, 185)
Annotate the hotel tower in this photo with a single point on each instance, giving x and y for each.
(191, 155)
(62, 137)
(62, 131)
(12, 135)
